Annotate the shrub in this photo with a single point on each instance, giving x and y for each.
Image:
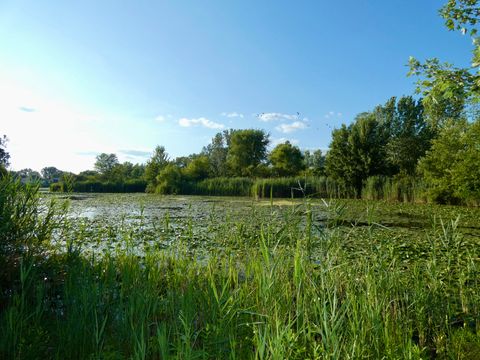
(24, 222)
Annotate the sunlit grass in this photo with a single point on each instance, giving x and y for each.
(267, 283)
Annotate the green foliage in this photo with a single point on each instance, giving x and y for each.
(216, 152)
(25, 224)
(461, 15)
(409, 134)
(286, 159)
(466, 173)
(56, 187)
(198, 168)
(446, 90)
(401, 188)
(268, 282)
(314, 162)
(388, 141)
(337, 160)
(298, 187)
(246, 151)
(105, 163)
(231, 186)
(169, 180)
(127, 170)
(129, 186)
(154, 166)
(51, 174)
(357, 152)
(4, 155)
(27, 175)
(451, 168)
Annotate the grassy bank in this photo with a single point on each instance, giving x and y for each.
(397, 189)
(271, 284)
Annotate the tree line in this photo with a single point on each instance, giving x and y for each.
(404, 140)
(432, 139)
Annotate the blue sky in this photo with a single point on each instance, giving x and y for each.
(80, 78)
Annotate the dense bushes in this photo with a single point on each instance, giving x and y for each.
(24, 222)
(451, 167)
(129, 186)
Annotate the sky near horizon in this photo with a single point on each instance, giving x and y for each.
(81, 78)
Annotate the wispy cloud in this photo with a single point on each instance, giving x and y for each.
(273, 116)
(232, 114)
(160, 119)
(87, 153)
(26, 109)
(333, 115)
(185, 122)
(135, 153)
(294, 126)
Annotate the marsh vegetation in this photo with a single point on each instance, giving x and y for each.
(149, 276)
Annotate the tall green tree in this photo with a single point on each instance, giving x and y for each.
(406, 132)
(367, 149)
(4, 155)
(198, 168)
(451, 167)
(169, 180)
(286, 159)
(217, 152)
(314, 162)
(338, 160)
(51, 173)
(105, 163)
(246, 151)
(154, 166)
(357, 152)
(28, 175)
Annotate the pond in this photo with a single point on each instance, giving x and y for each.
(109, 222)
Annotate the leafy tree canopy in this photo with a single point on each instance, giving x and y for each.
(286, 159)
(105, 163)
(405, 132)
(246, 151)
(450, 167)
(314, 162)
(217, 152)
(4, 155)
(50, 173)
(198, 168)
(155, 164)
(448, 89)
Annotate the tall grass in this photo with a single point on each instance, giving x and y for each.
(399, 188)
(274, 285)
(298, 187)
(235, 186)
(395, 189)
